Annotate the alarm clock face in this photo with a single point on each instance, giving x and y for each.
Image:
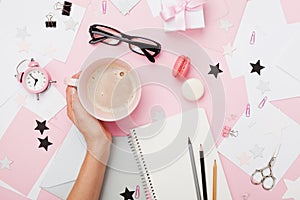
(36, 80)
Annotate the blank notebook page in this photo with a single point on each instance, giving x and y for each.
(164, 145)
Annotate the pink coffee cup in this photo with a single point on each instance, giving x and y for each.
(109, 89)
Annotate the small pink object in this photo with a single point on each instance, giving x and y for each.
(137, 192)
(252, 39)
(226, 131)
(245, 196)
(34, 79)
(33, 63)
(181, 66)
(104, 3)
(263, 102)
(248, 110)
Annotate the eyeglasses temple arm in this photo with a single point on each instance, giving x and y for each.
(148, 55)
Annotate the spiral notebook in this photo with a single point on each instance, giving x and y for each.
(161, 153)
(153, 162)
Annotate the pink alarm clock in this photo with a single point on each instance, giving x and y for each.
(34, 79)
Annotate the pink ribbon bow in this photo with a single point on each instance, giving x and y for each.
(170, 12)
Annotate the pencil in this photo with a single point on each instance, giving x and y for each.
(196, 181)
(203, 176)
(214, 195)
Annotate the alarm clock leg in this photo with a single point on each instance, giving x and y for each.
(38, 96)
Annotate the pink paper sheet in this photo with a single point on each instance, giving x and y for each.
(9, 195)
(20, 144)
(291, 10)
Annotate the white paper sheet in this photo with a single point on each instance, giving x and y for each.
(289, 58)
(31, 16)
(264, 23)
(24, 35)
(292, 189)
(125, 6)
(258, 139)
(274, 82)
(50, 103)
(261, 36)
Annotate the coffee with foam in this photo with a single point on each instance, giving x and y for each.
(111, 88)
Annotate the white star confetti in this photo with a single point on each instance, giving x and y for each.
(257, 152)
(292, 189)
(70, 24)
(5, 163)
(264, 86)
(225, 24)
(228, 49)
(22, 33)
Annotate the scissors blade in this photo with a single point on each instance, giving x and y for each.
(277, 151)
(272, 161)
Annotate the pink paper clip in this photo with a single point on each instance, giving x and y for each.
(137, 192)
(104, 4)
(252, 39)
(262, 103)
(248, 110)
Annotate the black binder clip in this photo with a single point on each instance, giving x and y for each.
(49, 22)
(65, 7)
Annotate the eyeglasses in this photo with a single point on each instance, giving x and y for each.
(111, 36)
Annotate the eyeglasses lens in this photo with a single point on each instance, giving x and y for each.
(108, 34)
(148, 45)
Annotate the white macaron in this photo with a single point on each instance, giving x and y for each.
(192, 89)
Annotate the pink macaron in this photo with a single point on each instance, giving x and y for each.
(181, 66)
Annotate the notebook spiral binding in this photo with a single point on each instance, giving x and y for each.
(135, 147)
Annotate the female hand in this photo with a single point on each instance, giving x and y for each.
(97, 138)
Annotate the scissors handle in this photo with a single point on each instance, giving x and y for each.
(260, 176)
(256, 177)
(268, 178)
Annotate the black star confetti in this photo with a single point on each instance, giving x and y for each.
(41, 126)
(256, 67)
(215, 70)
(44, 143)
(127, 194)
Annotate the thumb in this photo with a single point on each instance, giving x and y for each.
(78, 109)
